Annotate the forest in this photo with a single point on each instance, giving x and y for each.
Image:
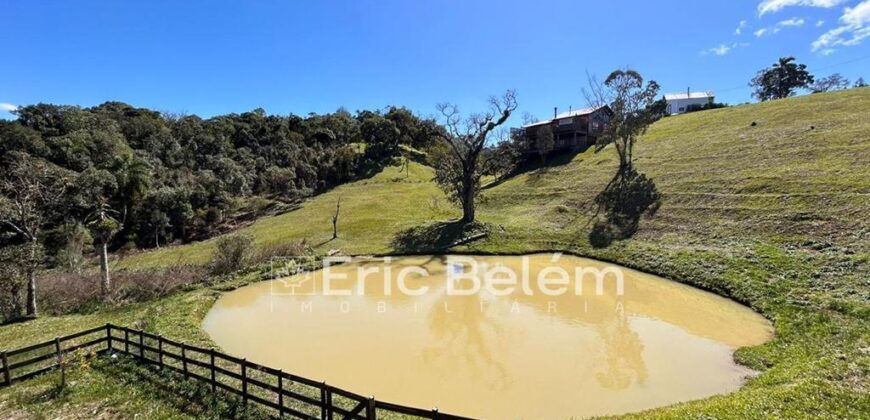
(116, 178)
(164, 178)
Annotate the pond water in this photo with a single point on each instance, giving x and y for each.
(510, 350)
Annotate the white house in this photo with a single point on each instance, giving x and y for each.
(679, 103)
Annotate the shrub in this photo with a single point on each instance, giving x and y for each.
(712, 105)
(265, 253)
(231, 254)
(62, 292)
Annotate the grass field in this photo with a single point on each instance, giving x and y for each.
(772, 214)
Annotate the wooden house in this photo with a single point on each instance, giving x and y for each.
(574, 130)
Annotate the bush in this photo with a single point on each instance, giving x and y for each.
(265, 253)
(712, 105)
(62, 293)
(231, 254)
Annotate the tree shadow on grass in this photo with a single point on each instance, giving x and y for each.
(533, 165)
(435, 237)
(629, 196)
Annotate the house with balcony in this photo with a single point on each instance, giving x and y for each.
(573, 131)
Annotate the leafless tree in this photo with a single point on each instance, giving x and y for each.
(335, 219)
(29, 193)
(835, 81)
(466, 138)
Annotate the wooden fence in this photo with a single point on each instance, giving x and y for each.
(280, 393)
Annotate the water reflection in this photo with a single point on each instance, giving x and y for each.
(465, 330)
(495, 356)
(623, 368)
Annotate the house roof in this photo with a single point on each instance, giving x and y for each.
(573, 113)
(692, 95)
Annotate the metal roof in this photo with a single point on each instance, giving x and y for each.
(574, 113)
(692, 95)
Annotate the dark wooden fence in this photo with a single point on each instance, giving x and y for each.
(280, 393)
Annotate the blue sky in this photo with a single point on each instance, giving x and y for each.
(315, 56)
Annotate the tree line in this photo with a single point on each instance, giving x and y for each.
(115, 176)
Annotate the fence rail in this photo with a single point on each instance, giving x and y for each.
(281, 393)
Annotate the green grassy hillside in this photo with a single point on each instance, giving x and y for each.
(773, 214)
(372, 210)
(720, 178)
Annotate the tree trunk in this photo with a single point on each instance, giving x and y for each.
(105, 283)
(31, 294)
(468, 211)
(335, 219)
(468, 200)
(30, 308)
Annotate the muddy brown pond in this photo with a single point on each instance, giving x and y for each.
(501, 352)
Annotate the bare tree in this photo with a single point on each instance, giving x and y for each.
(466, 138)
(335, 219)
(29, 193)
(835, 81)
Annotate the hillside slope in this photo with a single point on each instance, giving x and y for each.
(772, 214)
(372, 210)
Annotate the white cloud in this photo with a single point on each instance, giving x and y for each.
(858, 15)
(723, 49)
(7, 107)
(772, 6)
(767, 31)
(740, 27)
(788, 23)
(854, 28)
(820, 23)
(792, 22)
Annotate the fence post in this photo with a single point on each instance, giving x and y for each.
(7, 377)
(245, 381)
(160, 351)
(109, 338)
(126, 340)
(280, 393)
(184, 359)
(141, 345)
(211, 362)
(371, 413)
(60, 361)
(326, 399)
